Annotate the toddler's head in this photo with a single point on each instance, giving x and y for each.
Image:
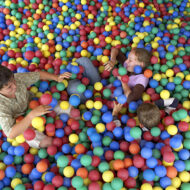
(138, 56)
(148, 115)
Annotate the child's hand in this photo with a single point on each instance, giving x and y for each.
(119, 77)
(109, 65)
(63, 76)
(116, 108)
(40, 110)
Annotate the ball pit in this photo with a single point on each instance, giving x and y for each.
(94, 153)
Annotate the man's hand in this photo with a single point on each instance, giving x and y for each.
(109, 65)
(65, 75)
(40, 110)
(116, 108)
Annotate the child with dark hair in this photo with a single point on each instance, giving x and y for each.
(148, 113)
(137, 82)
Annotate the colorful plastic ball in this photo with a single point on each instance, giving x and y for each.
(64, 105)
(86, 160)
(62, 161)
(164, 94)
(146, 186)
(117, 183)
(151, 162)
(107, 117)
(146, 152)
(133, 171)
(37, 122)
(68, 171)
(122, 71)
(179, 165)
(81, 88)
(185, 186)
(98, 86)
(15, 182)
(53, 103)
(19, 151)
(148, 175)
(155, 131)
(29, 55)
(45, 99)
(137, 69)
(10, 171)
(74, 100)
(88, 93)
(107, 176)
(175, 142)
(20, 187)
(184, 176)
(184, 154)
(29, 134)
(77, 182)
(136, 132)
(98, 105)
(160, 171)
(122, 99)
(165, 182)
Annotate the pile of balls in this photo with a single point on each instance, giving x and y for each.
(92, 152)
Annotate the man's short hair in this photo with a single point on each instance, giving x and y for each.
(143, 55)
(5, 76)
(148, 115)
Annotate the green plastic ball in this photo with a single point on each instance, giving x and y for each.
(136, 132)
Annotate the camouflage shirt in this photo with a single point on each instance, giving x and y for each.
(11, 108)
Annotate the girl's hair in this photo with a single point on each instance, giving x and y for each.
(148, 115)
(143, 55)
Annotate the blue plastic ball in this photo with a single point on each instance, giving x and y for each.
(74, 100)
(122, 99)
(53, 103)
(137, 69)
(165, 182)
(133, 171)
(151, 162)
(146, 152)
(107, 117)
(88, 93)
(133, 106)
(179, 165)
(59, 133)
(19, 150)
(8, 159)
(10, 171)
(160, 171)
(49, 176)
(118, 132)
(148, 175)
(184, 154)
(87, 115)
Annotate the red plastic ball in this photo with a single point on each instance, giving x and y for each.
(45, 99)
(168, 157)
(130, 182)
(109, 155)
(49, 187)
(110, 126)
(125, 78)
(95, 161)
(52, 150)
(75, 125)
(29, 55)
(94, 175)
(131, 122)
(75, 113)
(168, 120)
(57, 181)
(94, 186)
(123, 174)
(183, 126)
(124, 146)
(138, 161)
(29, 134)
(39, 185)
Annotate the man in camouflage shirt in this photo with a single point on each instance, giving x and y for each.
(14, 99)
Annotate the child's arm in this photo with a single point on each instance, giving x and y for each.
(116, 109)
(116, 54)
(49, 76)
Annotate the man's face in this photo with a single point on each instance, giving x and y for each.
(132, 61)
(10, 88)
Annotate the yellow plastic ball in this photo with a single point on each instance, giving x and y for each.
(68, 171)
(184, 176)
(169, 73)
(187, 77)
(20, 138)
(172, 129)
(64, 105)
(108, 176)
(58, 47)
(45, 47)
(98, 86)
(107, 28)
(15, 143)
(167, 163)
(157, 188)
(100, 127)
(89, 104)
(171, 188)
(73, 138)
(84, 53)
(157, 77)
(136, 40)
(108, 40)
(33, 151)
(96, 41)
(179, 148)
(176, 182)
(164, 94)
(146, 186)
(98, 105)
(15, 182)
(105, 59)
(146, 97)
(78, 16)
(37, 122)
(41, 128)
(34, 89)
(2, 166)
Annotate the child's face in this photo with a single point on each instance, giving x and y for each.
(132, 61)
